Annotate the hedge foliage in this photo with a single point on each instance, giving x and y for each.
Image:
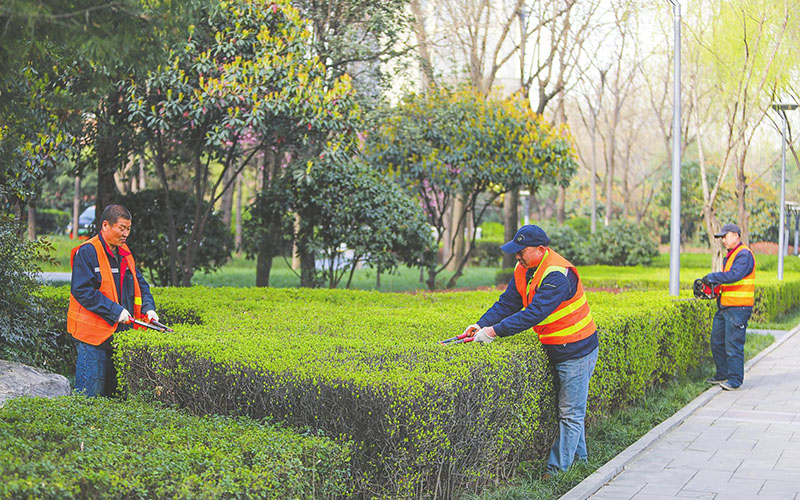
(79, 448)
(428, 421)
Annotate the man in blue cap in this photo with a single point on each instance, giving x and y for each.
(734, 308)
(546, 294)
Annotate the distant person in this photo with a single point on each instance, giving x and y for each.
(106, 294)
(546, 294)
(734, 308)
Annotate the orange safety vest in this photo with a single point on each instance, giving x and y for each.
(87, 326)
(571, 321)
(742, 292)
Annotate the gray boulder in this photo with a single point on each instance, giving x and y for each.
(18, 380)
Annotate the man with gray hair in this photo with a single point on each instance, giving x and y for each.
(107, 292)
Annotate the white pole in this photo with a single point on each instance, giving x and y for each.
(781, 223)
(675, 224)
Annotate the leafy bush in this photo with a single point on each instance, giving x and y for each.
(51, 221)
(487, 253)
(29, 330)
(623, 243)
(76, 448)
(424, 417)
(571, 245)
(149, 242)
(493, 231)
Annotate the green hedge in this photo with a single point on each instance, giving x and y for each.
(80, 448)
(428, 421)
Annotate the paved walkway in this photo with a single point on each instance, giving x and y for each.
(735, 445)
(55, 276)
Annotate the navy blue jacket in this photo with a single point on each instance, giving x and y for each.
(741, 267)
(85, 287)
(508, 318)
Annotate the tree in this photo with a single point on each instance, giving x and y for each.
(240, 84)
(350, 205)
(450, 147)
(746, 53)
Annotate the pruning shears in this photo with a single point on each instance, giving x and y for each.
(458, 339)
(154, 325)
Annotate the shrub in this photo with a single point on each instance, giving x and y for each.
(622, 243)
(149, 241)
(28, 326)
(427, 420)
(51, 221)
(571, 245)
(76, 448)
(487, 253)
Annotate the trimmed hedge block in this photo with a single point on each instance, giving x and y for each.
(78, 448)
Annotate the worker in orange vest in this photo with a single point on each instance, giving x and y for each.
(734, 308)
(546, 294)
(107, 292)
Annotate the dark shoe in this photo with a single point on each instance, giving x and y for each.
(728, 387)
(716, 381)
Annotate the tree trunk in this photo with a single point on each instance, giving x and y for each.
(458, 225)
(238, 237)
(266, 252)
(109, 154)
(562, 201)
(226, 202)
(31, 219)
(76, 207)
(741, 202)
(510, 223)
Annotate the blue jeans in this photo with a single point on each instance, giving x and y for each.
(94, 371)
(727, 343)
(573, 389)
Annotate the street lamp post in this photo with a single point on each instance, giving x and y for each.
(675, 223)
(782, 108)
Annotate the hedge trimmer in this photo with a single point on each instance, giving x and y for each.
(703, 290)
(458, 339)
(154, 325)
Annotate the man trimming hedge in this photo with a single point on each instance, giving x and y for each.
(546, 294)
(734, 308)
(107, 292)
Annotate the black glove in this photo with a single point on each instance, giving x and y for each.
(705, 280)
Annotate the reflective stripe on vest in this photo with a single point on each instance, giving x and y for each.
(572, 320)
(87, 326)
(742, 292)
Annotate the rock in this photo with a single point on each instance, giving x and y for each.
(18, 380)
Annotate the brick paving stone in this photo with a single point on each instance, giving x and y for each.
(738, 445)
(779, 489)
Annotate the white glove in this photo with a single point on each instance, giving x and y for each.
(124, 316)
(471, 329)
(152, 316)
(483, 336)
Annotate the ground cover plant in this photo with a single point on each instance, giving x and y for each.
(77, 448)
(428, 421)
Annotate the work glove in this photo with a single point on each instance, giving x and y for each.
(483, 336)
(151, 316)
(705, 280)
(471, 329)
(124, 317)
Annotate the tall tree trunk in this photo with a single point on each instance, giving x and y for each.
(510, 223)
(76, 207)
(266, 251)
(458, 225)
(238, 237)
(31, 219)
(741, 202)
(226, 202)
(426, 65)
(562, 201)
(109, 154)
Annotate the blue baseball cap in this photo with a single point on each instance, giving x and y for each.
(527, 236)
(728, 228)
